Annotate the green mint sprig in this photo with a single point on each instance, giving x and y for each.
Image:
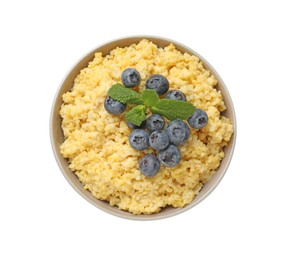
(173, 109)
(125, 95)
(136, 115)
(149, 99)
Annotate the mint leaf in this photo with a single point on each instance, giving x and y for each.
(173, 109)
(136, 115)
(125, 95)
(150, 97)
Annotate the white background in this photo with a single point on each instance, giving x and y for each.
(42, 217)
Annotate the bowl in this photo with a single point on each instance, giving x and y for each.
(57, 137)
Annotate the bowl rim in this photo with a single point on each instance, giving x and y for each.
(154, 216)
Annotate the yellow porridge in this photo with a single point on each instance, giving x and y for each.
(96, 142)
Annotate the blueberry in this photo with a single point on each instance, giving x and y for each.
(139, 139)
(155, 122)
(113, 106)
(170, 157)
(130, 77)
(158, 140)
(176, 95)
(199, 119)
(149, 165)
(178, 131)
(159, 83)
(132, 126)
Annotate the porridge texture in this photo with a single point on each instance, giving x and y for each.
(96, 142)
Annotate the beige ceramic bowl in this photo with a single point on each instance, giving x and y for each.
(57, 133)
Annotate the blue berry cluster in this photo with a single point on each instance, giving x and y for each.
(163, 139)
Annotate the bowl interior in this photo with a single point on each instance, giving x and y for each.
(57, 137)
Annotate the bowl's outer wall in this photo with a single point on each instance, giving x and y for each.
(57, 137)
